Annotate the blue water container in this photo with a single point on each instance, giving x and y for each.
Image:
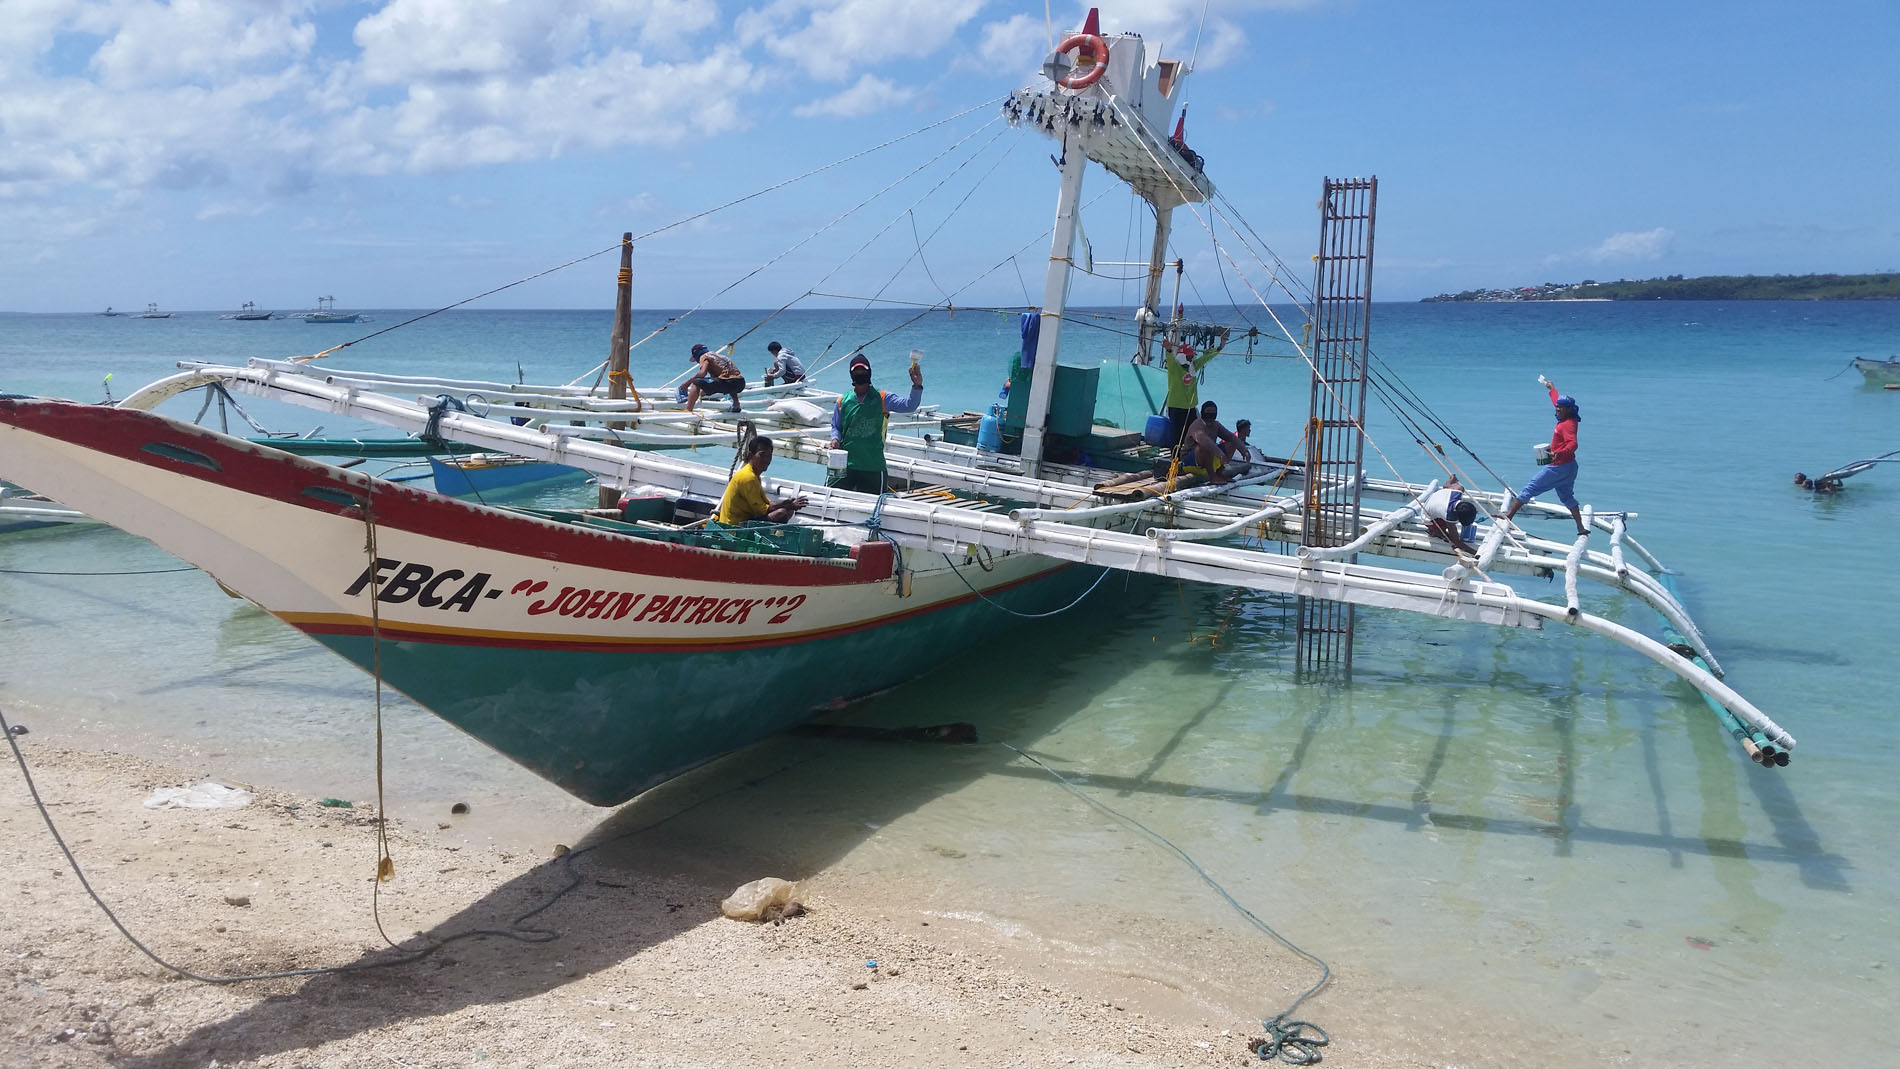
(1158, 431)
(989, 433)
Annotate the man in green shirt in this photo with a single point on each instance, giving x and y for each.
(858, 425)
(1184, 366)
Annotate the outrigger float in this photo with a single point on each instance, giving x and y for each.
(595, 645)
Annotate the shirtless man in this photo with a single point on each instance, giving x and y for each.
(1209, 445)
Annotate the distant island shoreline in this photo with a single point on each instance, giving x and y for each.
(1877, 287)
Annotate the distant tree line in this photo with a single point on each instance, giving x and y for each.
(1877, 287)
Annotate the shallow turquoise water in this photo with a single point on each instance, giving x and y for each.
(1535, 822)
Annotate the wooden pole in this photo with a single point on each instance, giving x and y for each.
(617, 375)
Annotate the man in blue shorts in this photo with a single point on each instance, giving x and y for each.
(1560, 473)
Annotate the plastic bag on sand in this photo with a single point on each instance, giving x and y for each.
(206, 795)
(751, 900)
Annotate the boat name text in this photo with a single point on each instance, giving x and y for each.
(398, 582)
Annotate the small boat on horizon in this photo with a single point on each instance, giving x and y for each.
(151, 312)
(109, 312)
(1879, 371)
(325, 312)
(248, 312)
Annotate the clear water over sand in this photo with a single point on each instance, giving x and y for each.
(1533, 823)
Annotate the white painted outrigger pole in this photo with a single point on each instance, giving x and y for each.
(1055, 295)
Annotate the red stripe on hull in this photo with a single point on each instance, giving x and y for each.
(278, 476)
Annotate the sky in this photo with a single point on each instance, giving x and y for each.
(412, 153)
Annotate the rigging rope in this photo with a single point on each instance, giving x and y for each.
(1319, 380)
(911, 212)
(853, 210)
(980, 277)
(660, 229)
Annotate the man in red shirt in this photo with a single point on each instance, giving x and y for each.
(1560, 474)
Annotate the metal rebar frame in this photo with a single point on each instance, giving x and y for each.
(1336, 441)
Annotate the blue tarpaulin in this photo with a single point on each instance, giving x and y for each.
(1032, 330)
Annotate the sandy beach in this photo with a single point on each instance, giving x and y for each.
(634, 965)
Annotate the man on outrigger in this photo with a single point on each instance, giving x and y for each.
(858, 425)
(1560, 473)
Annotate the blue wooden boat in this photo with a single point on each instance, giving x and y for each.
(483, 473)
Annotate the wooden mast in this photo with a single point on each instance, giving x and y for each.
(617, 376)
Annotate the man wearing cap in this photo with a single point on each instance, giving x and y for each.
(717, 374)
(785, 364)
(1184, 366)
(1560, 474)
(858, 425)
(1452, 516)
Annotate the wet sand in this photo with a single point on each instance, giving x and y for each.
(633, 966)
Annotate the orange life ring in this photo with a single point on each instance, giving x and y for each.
(1098, 53)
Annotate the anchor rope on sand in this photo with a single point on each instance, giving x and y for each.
(385, 865)
(518, 929)
(1287, 1039)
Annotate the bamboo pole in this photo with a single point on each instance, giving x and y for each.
(617, 376)
(1759, 748)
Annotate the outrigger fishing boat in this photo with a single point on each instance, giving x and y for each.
(248, 313)
(609, 648)
(325, 312)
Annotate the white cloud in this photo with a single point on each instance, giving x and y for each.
(424, 39)
(210, 92)
(870, 94)
(228, 209)
(841, 37)
(1643, 245)
(199, 41)
(1246, 112)
(240, 103)
(1018, 43)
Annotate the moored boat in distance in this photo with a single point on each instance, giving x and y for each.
(249, 313)
(325, 312)
(152, 312)
(1879, 371)
(109, 312)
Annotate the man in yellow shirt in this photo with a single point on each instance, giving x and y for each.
(745, 498)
